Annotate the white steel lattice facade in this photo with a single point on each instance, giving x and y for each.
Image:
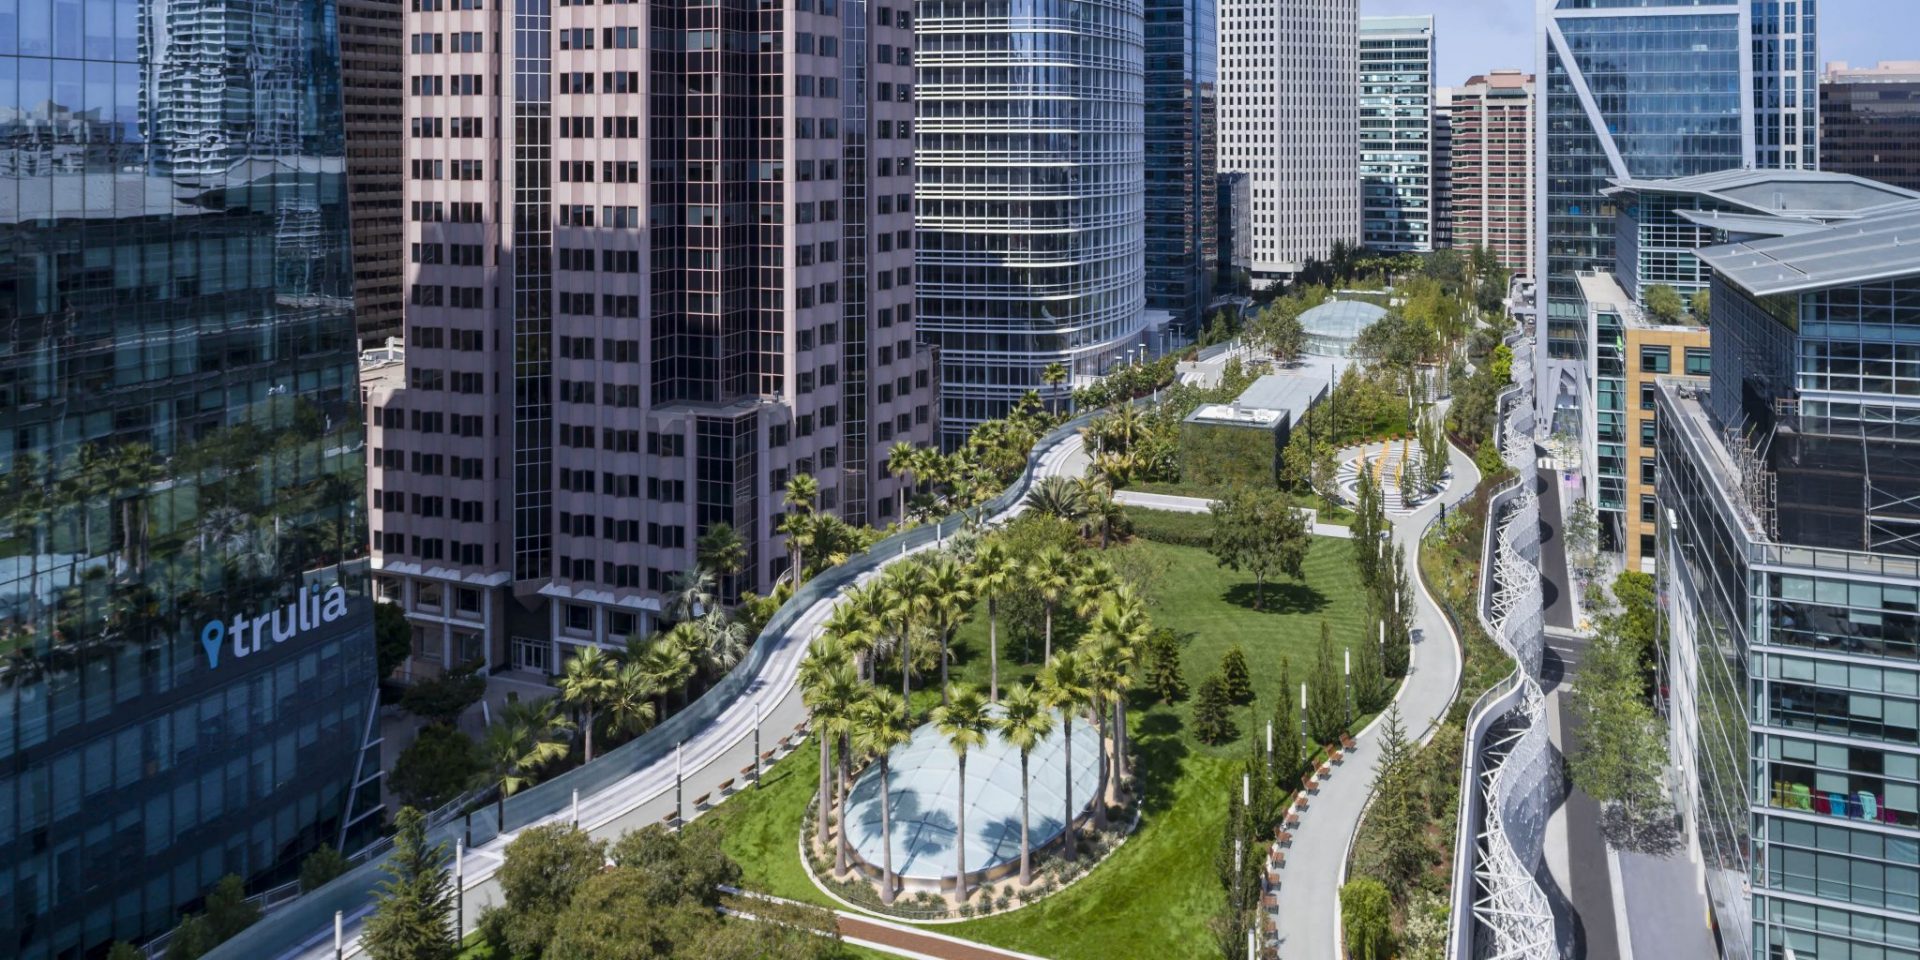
(1505, 910)
(1290, 120)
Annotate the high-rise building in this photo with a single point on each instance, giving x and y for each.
(647, 285)
(1031, 217)
(1870, 121)
(1442, 167)
(1182, 76)
(372, 88)
(1290, 120)
(1664, 88)
(186, 646)
(1236, 226)
(1787, 579)
(1396, 133)
(1659, 228)
(1491, 183)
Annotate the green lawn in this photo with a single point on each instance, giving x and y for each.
(1153, 898)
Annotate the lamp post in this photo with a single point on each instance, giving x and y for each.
(756, 742)
(459, 886)
(1347, 655)
(679, 773)
(339, 941)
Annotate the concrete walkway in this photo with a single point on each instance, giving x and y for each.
(894, 939)
(716, 756)
(1177, 504)
(1309, 895)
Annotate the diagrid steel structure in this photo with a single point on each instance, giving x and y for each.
(1509, 769)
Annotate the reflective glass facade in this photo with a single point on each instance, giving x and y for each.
(186, 653)
(1029, 156)
(1183, 226)
(1791, 600)
(1396, 133)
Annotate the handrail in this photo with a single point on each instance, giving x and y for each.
(350, 893)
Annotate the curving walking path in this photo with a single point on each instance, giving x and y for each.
(716, 755)
(1307, 913)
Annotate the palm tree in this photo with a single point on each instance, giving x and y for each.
(803, 491)
(692, 594)
(1053, 376)
(1099, 510)
(963, 720)
(629, 702)
(1057, 497)
(1051, 575)
(666, 664)
(900, 462)
(1092, 586)
(825, 659)
(905, 586)
(585, 682)
(721, 550)
(992, 575)
(1025, 723)
(858, 624)
(1118, 631)
(525, 738)
(1063, 687)
(880, 724)
(949, 598)
(723, 640)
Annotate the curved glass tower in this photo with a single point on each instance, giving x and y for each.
(1031, 221)
(186, 649)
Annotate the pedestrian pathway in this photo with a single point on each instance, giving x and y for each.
(1305, 907)
(1178, 504)
(895, 939)
(1385, 460)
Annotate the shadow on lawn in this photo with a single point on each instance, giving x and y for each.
(1280, 598)
(1158, 754)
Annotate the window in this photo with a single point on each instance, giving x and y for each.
(1648, 427)
(1646, 470)
(1699, 362)
(1646, 396)
(1656, 359)
(1648, 510)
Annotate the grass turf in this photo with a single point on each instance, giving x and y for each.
(1153, 898)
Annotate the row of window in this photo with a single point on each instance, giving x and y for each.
(438, 295)
(443, 211)
(429, 464)
(432, 127)
(455, 254)
(465, 41)
(434, 548)
(426, 421)
(434, 85)
(430, 506)
(614, 351)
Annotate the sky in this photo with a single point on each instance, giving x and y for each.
(1475, 36)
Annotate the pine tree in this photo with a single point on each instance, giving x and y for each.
(1326, 693)
(1395, 849)
(1289, 756)
(1234, 675)
(1210, 720)
(1366, 527)
(1163, 675)
(413, 907)
(1397, 616)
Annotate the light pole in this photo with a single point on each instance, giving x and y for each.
(339, 941)
(679, 773)
(459, 886)
(756, 742)
(1347, 655)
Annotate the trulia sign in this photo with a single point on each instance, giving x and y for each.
(308, 610)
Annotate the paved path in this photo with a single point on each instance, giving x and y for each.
(886, 936)
(1178, 504)
(1584, 895)
(711, 757)
(1309, 898)
(1559, 599)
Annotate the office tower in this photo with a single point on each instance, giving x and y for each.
(1396, 133)
(186, 648)
(1787, 578)
(1443, 167)
(647, 285)
(1656, 90)
(1870, 121)
(1030, 210)
(1236, 227)
(1785, 66)
(1492, 166)
(372, 88)
(1182, 259)
(1290, 120)
(1659, 227)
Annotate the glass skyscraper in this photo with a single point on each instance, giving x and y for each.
(1654, 89)
(1031, 224)
(1789, 586)
(1396, 133)
(186, 652)
(1182, 196)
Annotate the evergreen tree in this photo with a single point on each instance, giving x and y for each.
(1622, 745)
(192, 938)
(1210, 720)
(1326, 693)
(122, 950)
(413, 907)
(319, 867)
(1367, 526)
(1289, 754)
(1234, 676)
(1394, 849)
(228, 911)
(1371, 690)
(1163, 675)
(1393, 583)
(1366, 916)
(542, 869)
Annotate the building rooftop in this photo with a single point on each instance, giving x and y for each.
(1840, 254)
(1886, 71)
(1409, 24)
(1803, 194)
(1751, 224)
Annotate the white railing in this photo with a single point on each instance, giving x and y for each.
(1500, 908)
